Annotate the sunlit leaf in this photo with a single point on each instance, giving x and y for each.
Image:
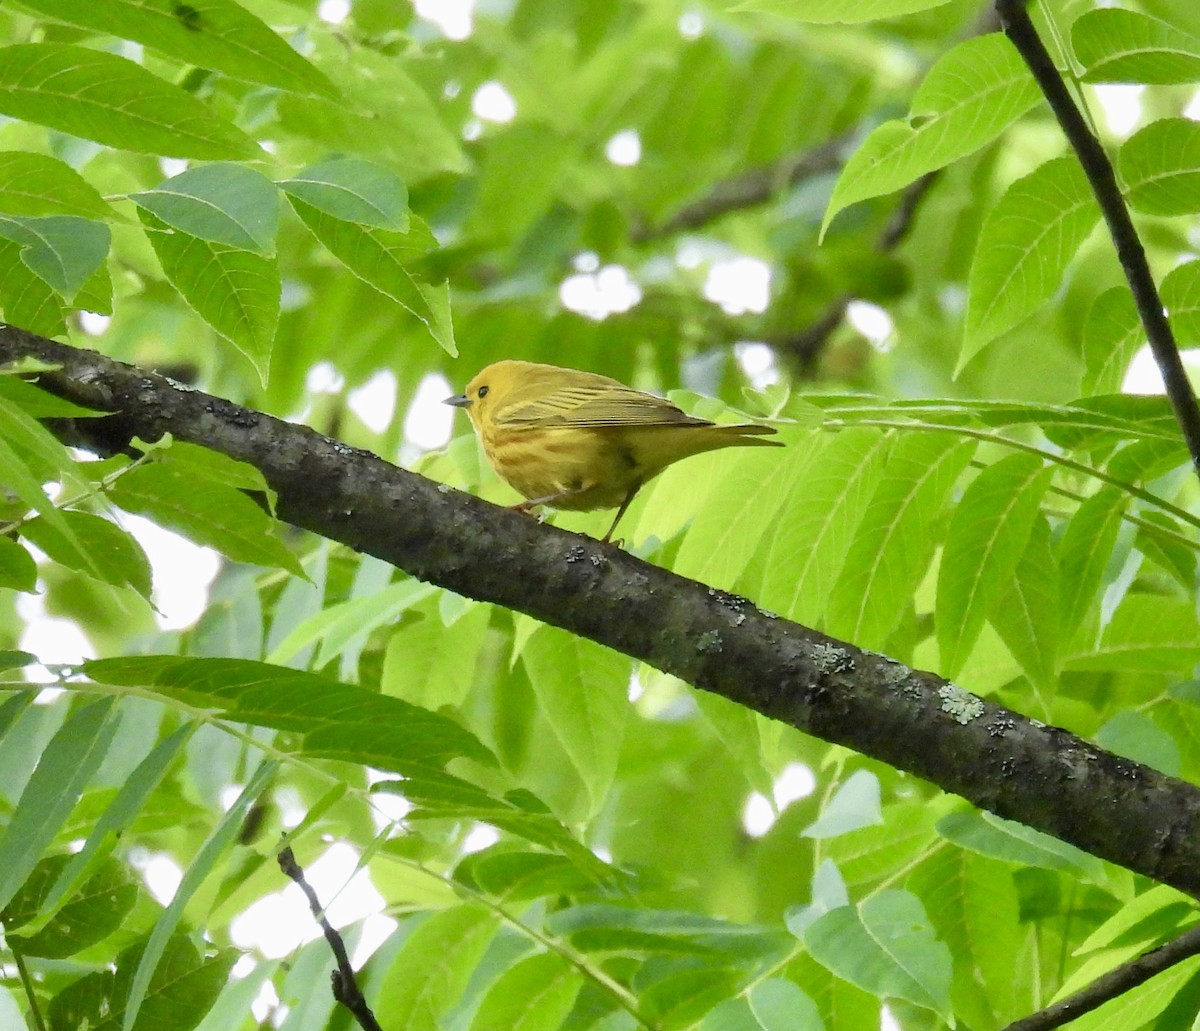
(971, 95)
(111, 100)
(988, 533)
(1025, 245)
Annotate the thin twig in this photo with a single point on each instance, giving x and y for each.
(1017, 25)
(1113, 984)
(345, 983)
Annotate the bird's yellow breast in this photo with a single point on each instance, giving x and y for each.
(590, 467)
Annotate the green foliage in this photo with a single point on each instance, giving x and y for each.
(562, 837)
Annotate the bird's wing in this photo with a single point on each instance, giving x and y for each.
(606, 404)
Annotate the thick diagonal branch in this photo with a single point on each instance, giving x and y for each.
(1042, 776)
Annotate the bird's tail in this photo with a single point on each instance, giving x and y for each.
(747, 434)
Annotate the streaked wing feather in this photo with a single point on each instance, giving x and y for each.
(592, 406)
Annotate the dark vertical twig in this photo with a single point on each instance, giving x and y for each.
(1017, 25)
(345, 983)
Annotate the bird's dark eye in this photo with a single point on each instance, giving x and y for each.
(483, 391)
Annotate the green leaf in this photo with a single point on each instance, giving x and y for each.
(337, 720)
(817, 524)
(12, 659)
(343, 628)
(205, 464)
(235, 291)
(1141, 461)
(779, 1005)
(1162, 540)
(882, 849)
(428, 974)
(1084, 423)
(854, 805)
(972, 902)
(222, 203)
(109, 553)
(582, 690)
(1181, 296)
(1117, 45)
(381, 258)
(616, 928)
(1014, 843)
(37, 403)
(159, 945)
(524, 153)
(988, 534)
(41, 457)
(383, 115)
(896, 538)
(685, 993)
(886, 946)
(742, 509)
(206, 511)
(519, 876)
(969, 97)
(534, 994)
(18, 571)
(117, 816)
(12, 707)
(111, 100)
(1171, 996)
(431, 664)
(184, 986)
(1084, 552)
(1112, 335)
(62, 250)
(1025, 245)
(63, 771)
(823, 12)
(93, 912)
(27, 299)
(1148, 634)
(1136, 736)
(34, 184)
(439, 796)
(1027, 616)
(214, 34)
(353, 190)
(1158, 910)
(1160, 167)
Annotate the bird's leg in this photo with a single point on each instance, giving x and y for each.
(617, 518)
(531, 503)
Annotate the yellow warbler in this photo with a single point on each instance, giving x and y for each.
(580, 441)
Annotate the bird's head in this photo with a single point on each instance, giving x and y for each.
(487, 388)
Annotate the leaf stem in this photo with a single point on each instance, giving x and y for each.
(1019, 445)
(27, 983)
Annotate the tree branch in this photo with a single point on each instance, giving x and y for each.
(747, 189)
(806, 345)
(1109, 986)
(1017, 25)
(1016, 767)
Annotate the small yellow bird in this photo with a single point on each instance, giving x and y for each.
(580, 441)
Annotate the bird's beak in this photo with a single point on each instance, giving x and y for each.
(458, 401)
